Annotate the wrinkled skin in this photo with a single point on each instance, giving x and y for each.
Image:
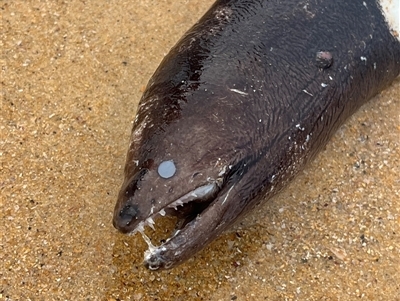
(240, 105)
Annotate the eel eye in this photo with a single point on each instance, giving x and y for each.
(166, 169)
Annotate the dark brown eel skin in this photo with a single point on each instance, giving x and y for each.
(239, 105)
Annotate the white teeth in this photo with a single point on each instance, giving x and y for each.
(200, 192)
(139, 228)
(150, 222)
(148, 241)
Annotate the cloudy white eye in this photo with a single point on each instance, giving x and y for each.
(166, 169)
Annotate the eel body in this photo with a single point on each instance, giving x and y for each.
(240, 104)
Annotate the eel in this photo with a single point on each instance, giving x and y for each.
(240, 104)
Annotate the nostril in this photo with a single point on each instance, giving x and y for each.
(126, 216)
(129, 212)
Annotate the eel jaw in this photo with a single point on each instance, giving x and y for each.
(195, 235)
(198, 201)
(202, 195)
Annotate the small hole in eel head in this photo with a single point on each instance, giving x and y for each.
(166, 169)
(323, 59)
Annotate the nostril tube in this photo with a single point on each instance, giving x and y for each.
(125, 217)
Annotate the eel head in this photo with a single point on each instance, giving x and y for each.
(198, 192)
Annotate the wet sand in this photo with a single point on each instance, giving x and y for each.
(72, 75)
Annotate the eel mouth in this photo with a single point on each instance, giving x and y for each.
(186, 208)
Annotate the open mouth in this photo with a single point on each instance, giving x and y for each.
(186, 209)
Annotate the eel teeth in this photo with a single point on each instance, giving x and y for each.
(198, 193)
(151, 222)
(139, 228)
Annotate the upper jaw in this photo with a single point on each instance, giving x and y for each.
(142, 199)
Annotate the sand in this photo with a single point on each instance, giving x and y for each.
(72, 75)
